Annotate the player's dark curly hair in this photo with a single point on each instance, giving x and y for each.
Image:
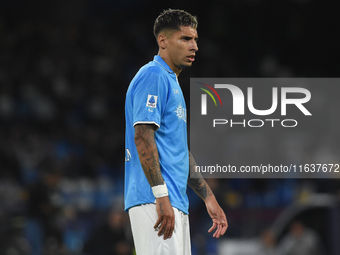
(172, 19)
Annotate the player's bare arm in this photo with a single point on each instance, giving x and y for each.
(149, 158)
(196, 181)
(148, 154)
(202, 189)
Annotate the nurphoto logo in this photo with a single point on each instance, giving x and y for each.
(238, 106)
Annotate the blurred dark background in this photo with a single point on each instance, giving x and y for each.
(64, 69)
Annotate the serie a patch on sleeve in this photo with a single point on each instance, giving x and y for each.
(151, 101)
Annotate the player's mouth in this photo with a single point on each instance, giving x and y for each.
(191, 58)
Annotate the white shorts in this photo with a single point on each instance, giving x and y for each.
(146, 239)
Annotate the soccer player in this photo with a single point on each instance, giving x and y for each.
(157, 161)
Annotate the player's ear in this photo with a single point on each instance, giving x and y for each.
(162, 41)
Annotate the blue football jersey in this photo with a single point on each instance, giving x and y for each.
(155, 97)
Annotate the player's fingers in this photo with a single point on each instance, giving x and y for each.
(162, 228)
(172, 227)
(168, 230)
(159, 220)
(222, 231)
(224, 224)
(217, 230)
(221, 228)
(212, 227)
(224, 228)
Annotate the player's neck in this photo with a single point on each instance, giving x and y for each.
(168, 61)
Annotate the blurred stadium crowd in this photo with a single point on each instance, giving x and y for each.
(64, 70)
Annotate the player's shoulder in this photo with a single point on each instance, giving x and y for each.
(150, 75)
(150, 72)
(152, 68)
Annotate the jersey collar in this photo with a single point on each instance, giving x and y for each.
(158, 59)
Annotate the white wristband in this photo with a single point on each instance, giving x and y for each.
(160, 191)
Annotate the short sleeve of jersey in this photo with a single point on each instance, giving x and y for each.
(149, 98)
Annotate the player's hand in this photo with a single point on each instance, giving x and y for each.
(166, 217)
(218, 217)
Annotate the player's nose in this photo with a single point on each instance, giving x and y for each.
(194, 46)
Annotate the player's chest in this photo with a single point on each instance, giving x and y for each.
(176, 107)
